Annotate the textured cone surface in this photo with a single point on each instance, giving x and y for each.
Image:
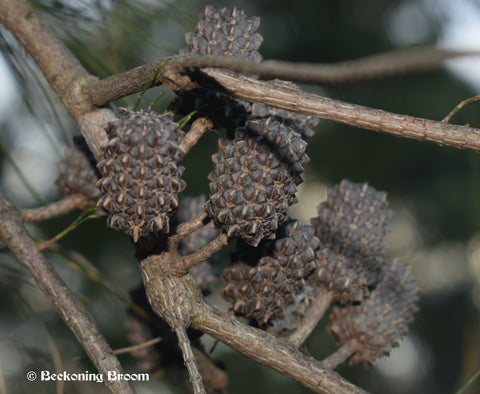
(351, 225)
(255, 179)
(381, 320)
(350, 278)
(77, 175)
(225, 32)
(353, 219)
(261, 287)
(205, 273)
(141, 178)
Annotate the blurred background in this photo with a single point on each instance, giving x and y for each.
(434, 191)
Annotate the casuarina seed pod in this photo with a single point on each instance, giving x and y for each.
(141, 176)
(255, 179)
(77, 174)
(379, 322)
(349, 278)
(225, 32)
(263, 281)
(353, 219)
(351, 225)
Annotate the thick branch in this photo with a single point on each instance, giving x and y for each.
(269, 350)
(292, 99)
(288, 98)
(72, 312)
(59, 66)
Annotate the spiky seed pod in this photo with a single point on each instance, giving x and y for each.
(141, 176)
(350, 278)
(380, 321)
(77, 175)
(353, 220)
(222, 32)
(225, 32)
(255, 179)
(205, 272)
(262, 287)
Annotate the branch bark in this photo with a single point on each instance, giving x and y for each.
(271, 351)
(17, 239)
(55, 209)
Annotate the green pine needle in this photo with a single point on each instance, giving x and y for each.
(147, 86)
(469, 382)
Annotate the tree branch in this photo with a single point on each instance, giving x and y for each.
(284, 97)
(16, 238)
(375, 66)
(59, 66)
(55, 209)
(271, 351)
(292, 99)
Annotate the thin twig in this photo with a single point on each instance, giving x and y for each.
(55, 209)
(460, 106)
(83, 217)
(469, 382)
(16, 238)
(316, 310)
(143, 345)
(57, 362)
(342, 354)
(196, 131)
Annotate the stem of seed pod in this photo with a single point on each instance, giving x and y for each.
(185, 229)
(202, 254)
(315, 313)
(195, 133)
(55, 209)
(342, 354)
